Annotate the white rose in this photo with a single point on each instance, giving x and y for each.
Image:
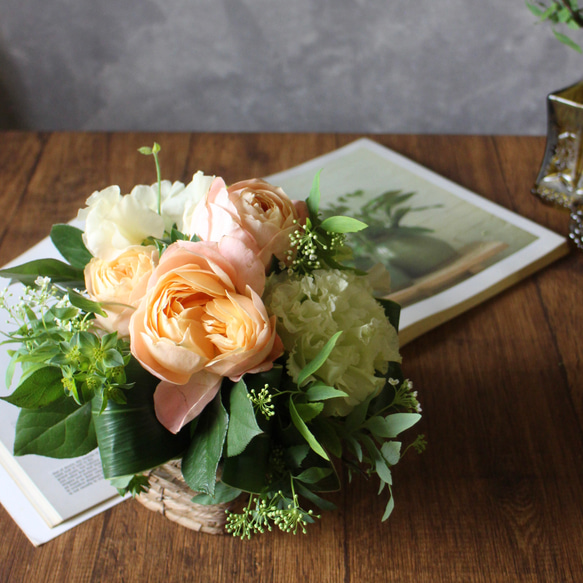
(311, 309)
(114, 222)
(196, 191)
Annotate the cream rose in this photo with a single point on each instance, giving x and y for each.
(254, 211)
(202, 319)
(120, 284)
(114, 222)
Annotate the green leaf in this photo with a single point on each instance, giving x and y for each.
(391, 451)
(296, 454)
(319, 360)
(55, 270)
(567, 41)
(85, 304)
(313, 200)
(538, 12)
(390, 506)
(305, 432)
(145, 150)
(309, 411)
(398, 422)
(392, 311)
(201, 461)
(357, 416)
(342, 224)
(223, 494)
(68, 241)
(40, 389)
(131, 439)
(321, 392)
(313, 475)
(326, 434)
(243, 425)
(314, 498)
(250, 471)
(380, 465)
(62, 429)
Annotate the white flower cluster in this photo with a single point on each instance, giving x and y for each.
(312, 308)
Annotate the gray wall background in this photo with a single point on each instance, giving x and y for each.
(412, 66)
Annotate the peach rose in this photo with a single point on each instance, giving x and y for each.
(120, 284)
(202, 319)
(254, 211)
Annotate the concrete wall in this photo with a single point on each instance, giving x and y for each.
(414, 66)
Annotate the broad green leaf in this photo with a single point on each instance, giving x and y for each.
(343, 225)
(313, 200)
(243, 425)
(250, 471)
(321, 392)
(305, 432)
(319, 360)
(40, 389)
(200, 463)
(223, 493)
(313, 475)
(56, 270)
(68, 241)
(62, 429)
(131, 439)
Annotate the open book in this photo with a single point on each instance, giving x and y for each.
(446, 249)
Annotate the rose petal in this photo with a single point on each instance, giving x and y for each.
(177, 405)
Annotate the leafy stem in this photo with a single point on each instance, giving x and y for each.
(153, 151)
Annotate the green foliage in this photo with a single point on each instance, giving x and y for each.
(243, 426)
(131, 439)
(559, 13)
(200, 463)
(68, 240)
(62, 429)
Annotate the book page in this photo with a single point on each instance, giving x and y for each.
(446, 248)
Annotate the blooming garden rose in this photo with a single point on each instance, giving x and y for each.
(202, 319)
(254, 211)
(120, 284)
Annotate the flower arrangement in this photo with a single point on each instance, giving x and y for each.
(217, 325)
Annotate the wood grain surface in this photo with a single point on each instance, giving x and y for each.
(497, 496)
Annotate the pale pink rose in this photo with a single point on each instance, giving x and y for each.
(120, 284)
(254, 211)
(202, 319)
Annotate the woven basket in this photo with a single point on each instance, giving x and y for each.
(170, 496)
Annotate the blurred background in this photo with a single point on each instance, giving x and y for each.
(422, 66)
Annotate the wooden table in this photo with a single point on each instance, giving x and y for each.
(497, 496)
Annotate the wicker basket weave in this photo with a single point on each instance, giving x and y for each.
(170, 496)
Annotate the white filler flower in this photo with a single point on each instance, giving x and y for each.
(311, 309)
